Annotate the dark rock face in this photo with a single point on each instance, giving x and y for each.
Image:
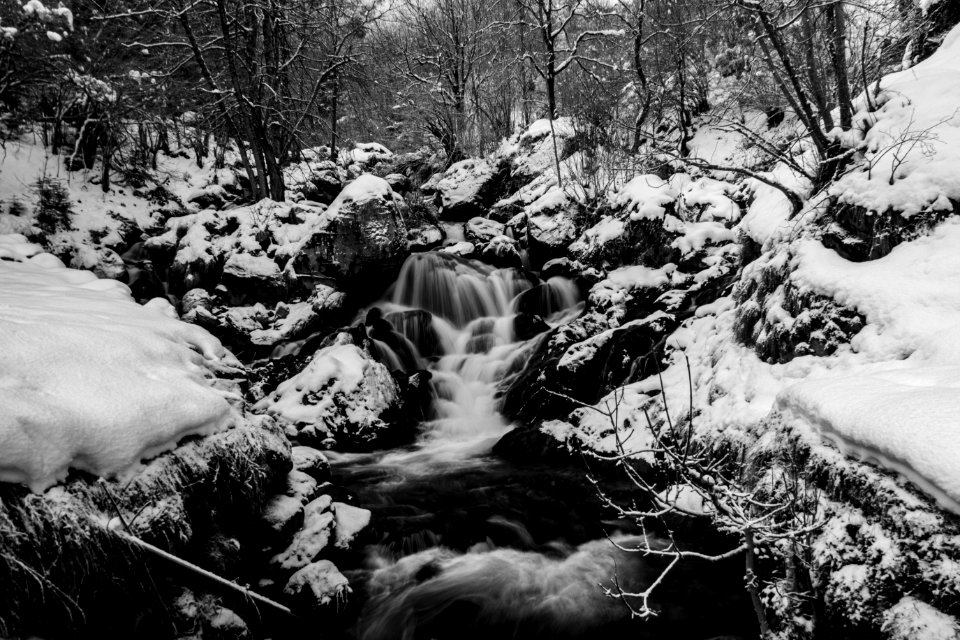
(810, 324)
(527, 326)
(469, 188)
(417, 326)
(618, 339)
(859, 235)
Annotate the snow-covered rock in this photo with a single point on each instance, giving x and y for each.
(361, 238)
(549, 236)
(342, 393)
(318, 585)
(468, 188)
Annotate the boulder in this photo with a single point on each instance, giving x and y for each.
(548, 236)
(483, 230)
(468, 188)
(361, 239)
(502, 252)
(317, 585)
(252, 277)
(424, 237)
(342, 394)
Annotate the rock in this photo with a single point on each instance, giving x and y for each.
(468, 188)
(348, 522)
(323, 185)
(542, 300)
(424, 237)
(312, 538)
(195, 300)
(549, 236)
(227, 625)
(461, 249)
(344, 394)
(301, 486)
(252, 277)
(317, 585)
(502, 252)
(283, 515)
(417, 326)
(361, 239)
(212, 196)
(482, 230)
(312, 462)
(398, 182)
(528, 325)
(105, 263)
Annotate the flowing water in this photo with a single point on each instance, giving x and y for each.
(468, 546)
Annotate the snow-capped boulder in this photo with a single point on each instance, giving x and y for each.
(482, 230)
(317, 585)
(502, 252)
(548, 236)
(424, 237)
(468, 188)
(342, 394)
(310, 539)
(252, 277)
(461, 249)
(360, 239)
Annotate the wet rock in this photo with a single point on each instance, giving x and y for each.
(528, 325)
(543, 300)
(502, 252)
(416, 325)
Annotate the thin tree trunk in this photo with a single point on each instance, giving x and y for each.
(838, 48)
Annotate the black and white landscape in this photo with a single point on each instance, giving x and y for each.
(450, 319)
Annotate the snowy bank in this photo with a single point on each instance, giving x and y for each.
(91, 380)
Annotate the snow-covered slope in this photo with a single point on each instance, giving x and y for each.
(91, 380)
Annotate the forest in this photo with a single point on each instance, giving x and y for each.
(375, 319)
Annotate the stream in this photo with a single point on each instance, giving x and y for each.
(464, 545)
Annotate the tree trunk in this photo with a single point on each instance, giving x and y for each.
(838, 49)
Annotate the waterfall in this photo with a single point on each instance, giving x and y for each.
(458, 319)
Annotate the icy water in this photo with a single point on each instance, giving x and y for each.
(463, 545)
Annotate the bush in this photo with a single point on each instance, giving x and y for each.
(54, 209)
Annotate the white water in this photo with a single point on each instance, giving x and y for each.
(473, 310)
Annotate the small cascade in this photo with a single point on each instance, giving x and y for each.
(456, 318)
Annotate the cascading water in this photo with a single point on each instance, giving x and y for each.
(473, 547)
(457, 318)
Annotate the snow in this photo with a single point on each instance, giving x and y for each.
(900, 406)
(645, 197)
(244, 265)
(322, 580)
(463, 181)
(91, 380)
(312, 538)
(912, 619)
(640, 277)
(913, 140)
(348, 522)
